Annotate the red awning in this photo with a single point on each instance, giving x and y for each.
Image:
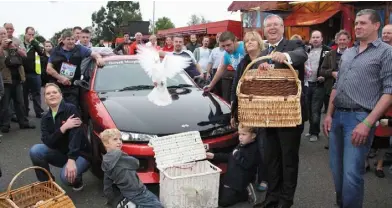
(306, 19)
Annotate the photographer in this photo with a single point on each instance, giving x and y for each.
(13, 78)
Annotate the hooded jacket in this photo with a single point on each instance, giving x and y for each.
(120, 177)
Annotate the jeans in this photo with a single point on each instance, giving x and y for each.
(347, 162)
(33, 86)
(315, 97)
(41, 155)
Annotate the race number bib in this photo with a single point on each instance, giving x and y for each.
(68, 70)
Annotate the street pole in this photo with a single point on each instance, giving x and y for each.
(153, 17)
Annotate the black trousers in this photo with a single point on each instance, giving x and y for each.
(71, 95)
(12, 92)
(32, 86)
(281, 148)
(316, 93)
(229, 196)
(262, 168)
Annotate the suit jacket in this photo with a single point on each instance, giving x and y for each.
(298, 55)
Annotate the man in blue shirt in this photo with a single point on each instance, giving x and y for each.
(234, 52)
(64, 66)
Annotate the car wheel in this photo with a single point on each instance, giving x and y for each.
(96, 152)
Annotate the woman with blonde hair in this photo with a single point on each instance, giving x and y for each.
(254, 45)
(65, 144)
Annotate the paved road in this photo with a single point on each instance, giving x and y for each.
(315, 188)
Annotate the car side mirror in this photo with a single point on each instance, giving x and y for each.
(82, 84)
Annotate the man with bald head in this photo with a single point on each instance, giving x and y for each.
(316, 90)
(387, 34)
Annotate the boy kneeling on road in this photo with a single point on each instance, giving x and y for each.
(122, 186)
(242, 166)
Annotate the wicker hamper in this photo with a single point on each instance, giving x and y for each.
(269, 98)
(48, 193)
(186, 179)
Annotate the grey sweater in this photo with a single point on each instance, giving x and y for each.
(120, 177)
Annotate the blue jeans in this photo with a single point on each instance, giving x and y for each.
(347, 161)
(41, 155)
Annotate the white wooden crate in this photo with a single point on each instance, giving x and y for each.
(187, 180)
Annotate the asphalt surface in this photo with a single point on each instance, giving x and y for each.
(315, 188)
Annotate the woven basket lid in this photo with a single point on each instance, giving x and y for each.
(178, 149)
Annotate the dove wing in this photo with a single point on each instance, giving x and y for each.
(148, 58)
(173, 64)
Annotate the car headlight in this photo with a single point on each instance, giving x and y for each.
(136, 137)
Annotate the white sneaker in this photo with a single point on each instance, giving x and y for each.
(313, 138)
(125, 203)
(307, 135)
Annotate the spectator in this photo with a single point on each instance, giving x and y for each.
(169, 47)
(124, 47)
(76, 32)
(191, 46)
(44, 62)
(202, 54)
(32, 85)
(65, 144)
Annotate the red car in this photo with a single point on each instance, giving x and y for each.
(115, 96)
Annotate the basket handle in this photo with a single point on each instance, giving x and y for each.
(22, 171)
(260, 59)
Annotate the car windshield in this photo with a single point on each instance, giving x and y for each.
(129, 75)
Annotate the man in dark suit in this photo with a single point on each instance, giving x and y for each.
(281, 145)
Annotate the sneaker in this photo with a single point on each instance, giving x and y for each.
(251, 194)
(262, 186)
(78, 186)
(313, 138)
(308, 135)
(125, 203)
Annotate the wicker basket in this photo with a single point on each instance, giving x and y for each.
(186, 179)
(269, 98)
(48, 193)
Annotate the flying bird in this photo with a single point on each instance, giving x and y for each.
(159, 72)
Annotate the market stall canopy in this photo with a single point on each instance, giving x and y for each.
(211, 28)
(258, 5)
(312, 13)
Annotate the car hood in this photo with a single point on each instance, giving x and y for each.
(131, 111)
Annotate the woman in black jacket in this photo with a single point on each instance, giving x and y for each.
(44, 62)
(253, 46)
(65, 144)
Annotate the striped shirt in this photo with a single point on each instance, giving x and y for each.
(364, 77)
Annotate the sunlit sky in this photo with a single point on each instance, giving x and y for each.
(49, 17)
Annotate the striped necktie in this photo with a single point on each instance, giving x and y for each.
(271, 49)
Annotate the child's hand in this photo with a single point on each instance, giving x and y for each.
(210, 155)
(384, 122)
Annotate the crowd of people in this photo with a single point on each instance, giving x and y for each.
(354, 84)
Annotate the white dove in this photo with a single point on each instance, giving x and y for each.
(171, 65)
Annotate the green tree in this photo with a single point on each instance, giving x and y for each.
(107, 21)
(163, 23)
(195, 20)
(57, 35)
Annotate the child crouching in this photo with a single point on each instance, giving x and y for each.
(122, 186)
(242, 166)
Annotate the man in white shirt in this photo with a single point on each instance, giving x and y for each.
(202, 54)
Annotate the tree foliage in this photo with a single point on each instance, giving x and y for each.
(195, 20)
(107, 21)
(163, 23)
(57, 35)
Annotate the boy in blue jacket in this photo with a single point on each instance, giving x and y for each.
(122, 186)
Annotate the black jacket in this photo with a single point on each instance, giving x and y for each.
(45, 78)
(241, 165)
(73, 142)
(29, 60)
(297, 53)
(76, 59)
(325, 49)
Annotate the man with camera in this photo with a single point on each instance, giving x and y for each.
(13, 78)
